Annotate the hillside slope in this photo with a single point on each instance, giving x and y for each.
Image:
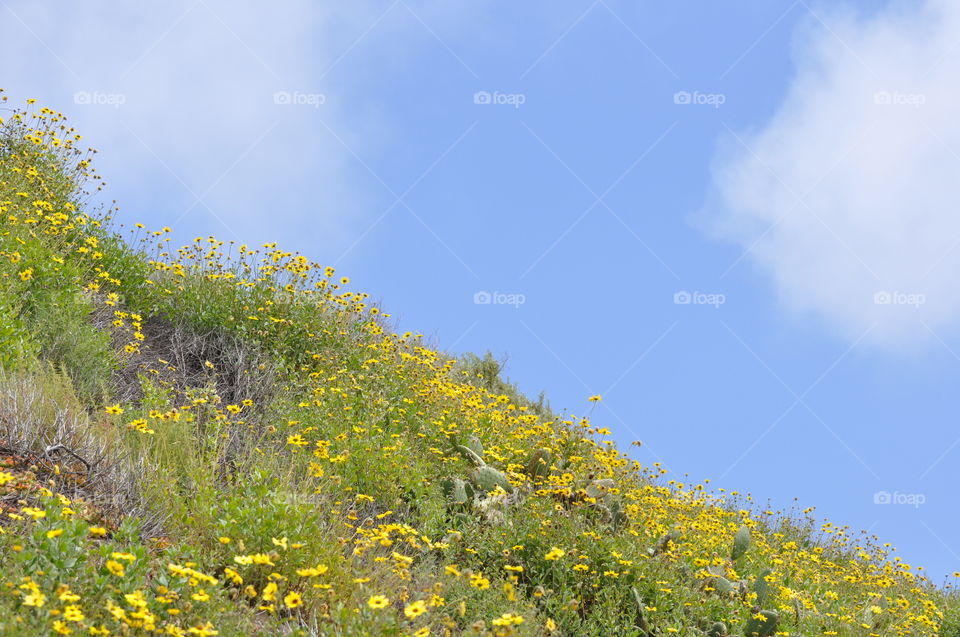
(219, 439)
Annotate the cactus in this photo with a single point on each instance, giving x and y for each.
(483, 477)
(641, 619)
(615, 507)
(472, 451)
(470, 455)
(762, 624)
(447, 486)
(741, 542)
(538, 466)
(713, 569)
(457, 490)
(718, 629)
(486, 479)
(664, 543)
(761, 587)
(722, 585)
(597, 488)
(474, 445)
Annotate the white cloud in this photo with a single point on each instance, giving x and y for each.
(853, 187)
(197, 81)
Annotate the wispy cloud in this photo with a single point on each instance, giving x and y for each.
(848, 198)
(202, 111)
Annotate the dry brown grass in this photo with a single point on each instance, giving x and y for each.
(46, 431)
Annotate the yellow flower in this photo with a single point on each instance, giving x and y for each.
(114, 410)
(34, 512)
(137, 599)
(595, 399)
(508, 619)
(5, 478)
(201, 596)
(480, 582)
(415, 609)
(205, 630)
(36, 599)
(270, 592)
(99, 531)
(60, 627)
(73, 613)
(54, 533)
(115, 567)
(140, 425)
(233, 576)
(292, 600)
(554, 554)
(297, 440)
(376, 602)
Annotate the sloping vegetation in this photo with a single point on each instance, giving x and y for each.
(225, 439)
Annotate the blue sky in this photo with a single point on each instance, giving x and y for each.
(736, 223)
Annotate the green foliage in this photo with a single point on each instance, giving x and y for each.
(538, 466)
(68, 339)
(741, 543)
(486, 372)
(761, 587)
(17, 347)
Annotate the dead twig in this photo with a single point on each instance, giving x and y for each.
(59, 447)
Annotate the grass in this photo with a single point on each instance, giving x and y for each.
(220, 439)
